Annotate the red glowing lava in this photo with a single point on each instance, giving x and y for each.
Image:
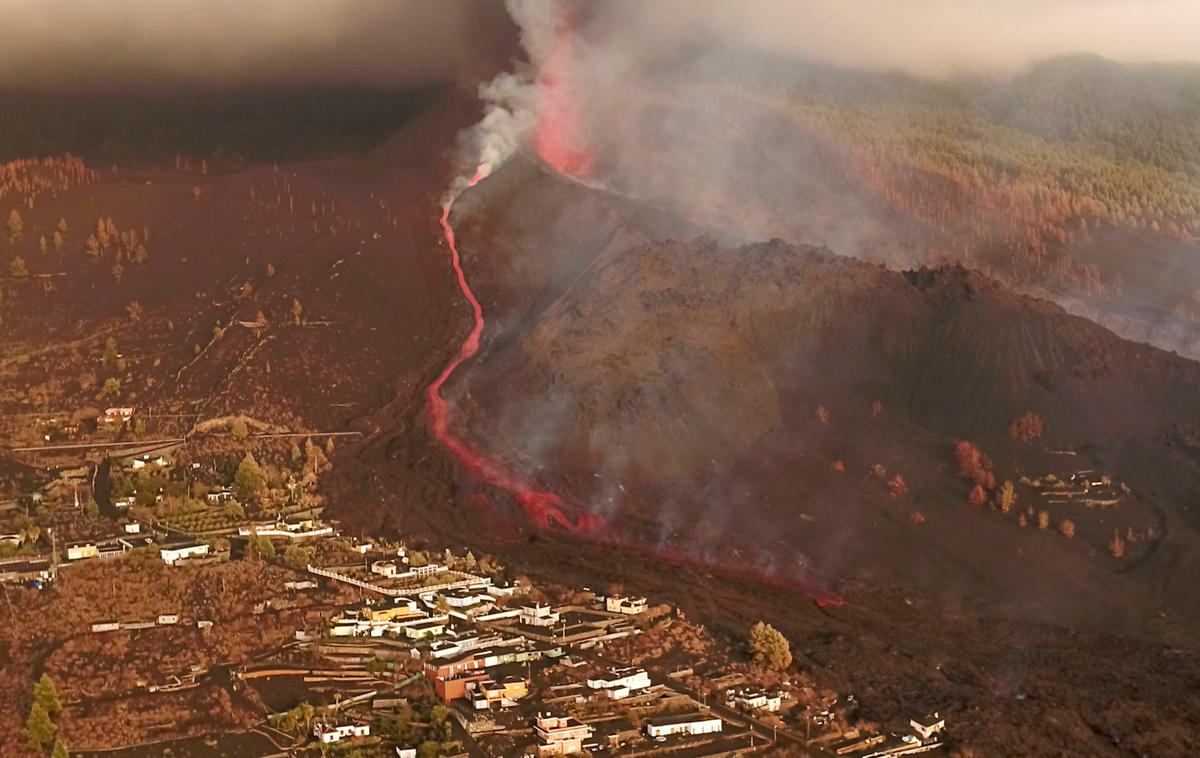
(558, 136)
(544, 509)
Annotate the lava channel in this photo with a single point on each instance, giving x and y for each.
(544, 509)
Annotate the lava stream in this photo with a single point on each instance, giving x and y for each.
(544, 509)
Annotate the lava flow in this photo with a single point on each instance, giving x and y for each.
(543, 508)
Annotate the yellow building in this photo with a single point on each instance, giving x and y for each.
(398, 612)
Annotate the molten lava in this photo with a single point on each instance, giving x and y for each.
(544, 509)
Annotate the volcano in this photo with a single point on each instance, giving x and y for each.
(737, 403)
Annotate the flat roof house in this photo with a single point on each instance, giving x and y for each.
(687, 724)
(558, 735)
(172, 554)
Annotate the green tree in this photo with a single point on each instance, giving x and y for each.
(15, 225)
(428, 749)
(262, 547)
(234, 510)
(60, 750)
(297, 311)
(769, 647)
(238, 429)
(17, 268)
(112, 388)
(46, 695)
(39, 729)
(249, 480)
(110, 356)
(297, 557)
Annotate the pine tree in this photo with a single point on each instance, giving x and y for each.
(15, 225)
(249, 480)
(60, 750)
(769, 647)
(17, 268)
(977, 498)
(46, 695)
(39, 729)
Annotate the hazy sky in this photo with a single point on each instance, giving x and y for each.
(124, 42)
(244, 41)
(924, 37)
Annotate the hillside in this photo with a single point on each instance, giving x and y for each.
(720, 401)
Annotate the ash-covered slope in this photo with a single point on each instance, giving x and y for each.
(721, 399)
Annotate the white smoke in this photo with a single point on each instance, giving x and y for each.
(510, 99)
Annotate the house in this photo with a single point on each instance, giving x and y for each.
(630, 606)
(115, 415)
(82, 550)
(406, 752)
(400, 611)
(538, 615)
(303, 584)
(142, 461)
(113, 549)
(106, 626)
(167, 619)
(753, 699)
(331, 733)
(464, 598)
(123, 502)
(489, 692)
(25, 570)
(928, 726)
(686, 724)
(385, 568)
(173, 554)
(424, 630)
(133, 527)
(619, 683)
(222, 495)
(558, 735)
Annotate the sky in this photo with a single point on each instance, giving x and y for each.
(97, 43)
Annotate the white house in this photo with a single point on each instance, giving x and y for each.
(688, 723)
(928, 726)
(172, 554)
(384, 568)
(112, 415)
(618, 683)
(538, 615)
(330, 733)
(133, 527)
(628, 605)
(106, 626)
(406, 752)
(167, 619)
(752, 699)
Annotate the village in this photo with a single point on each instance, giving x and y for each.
(380, 648)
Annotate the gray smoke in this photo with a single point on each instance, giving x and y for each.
(127, 44)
